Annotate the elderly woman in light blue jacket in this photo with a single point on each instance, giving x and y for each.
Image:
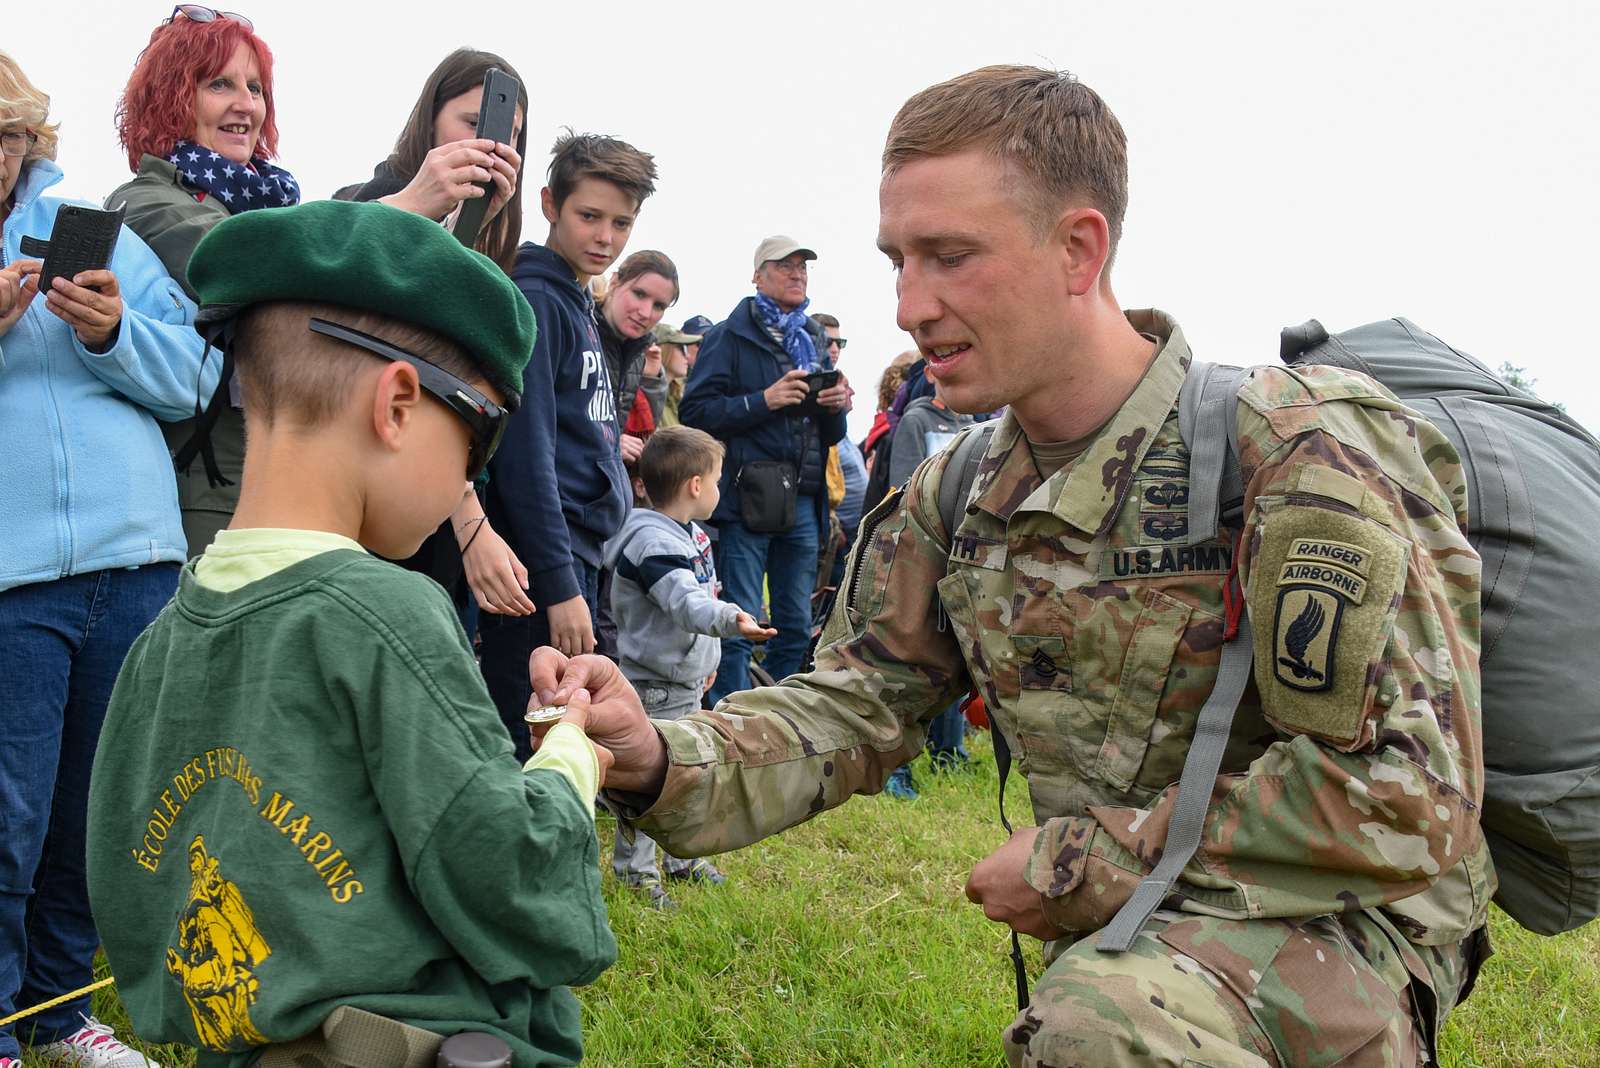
(90, 545)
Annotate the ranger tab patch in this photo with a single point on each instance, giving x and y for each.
(1305, 636)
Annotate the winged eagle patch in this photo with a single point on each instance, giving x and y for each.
(1304, 637)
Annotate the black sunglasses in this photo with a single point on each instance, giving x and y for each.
(841, 342)
(484, 418)
(197, 13)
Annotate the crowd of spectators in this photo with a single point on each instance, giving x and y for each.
(738, 424)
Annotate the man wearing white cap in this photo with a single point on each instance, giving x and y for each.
(765, 386)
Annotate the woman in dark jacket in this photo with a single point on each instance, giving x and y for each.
(641, 291)
(197, 121)
(436, 165)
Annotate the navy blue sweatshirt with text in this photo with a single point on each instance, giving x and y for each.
(557, 488)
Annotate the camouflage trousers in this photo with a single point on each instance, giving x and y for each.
(1200, 992)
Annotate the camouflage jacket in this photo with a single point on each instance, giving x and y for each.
(1354, 773)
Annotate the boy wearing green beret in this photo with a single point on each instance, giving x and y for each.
(303, 797)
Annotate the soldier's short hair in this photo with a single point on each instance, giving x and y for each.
(674, 455)
(1056, 138)
(575, 157)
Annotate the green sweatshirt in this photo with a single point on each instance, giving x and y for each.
(303, 798)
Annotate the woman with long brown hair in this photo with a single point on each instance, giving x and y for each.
(436, 165)
(438, 160)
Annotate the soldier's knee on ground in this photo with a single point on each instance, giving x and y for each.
(1145, 1007)
(1198, 991)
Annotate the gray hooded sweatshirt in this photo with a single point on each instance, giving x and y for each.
(664, 600)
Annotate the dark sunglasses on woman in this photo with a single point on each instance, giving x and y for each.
(196, 13)
(485, 419)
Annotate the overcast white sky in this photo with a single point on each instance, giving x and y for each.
(1345, 161)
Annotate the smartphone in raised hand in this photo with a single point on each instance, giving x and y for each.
(82, 239)
(497, 118)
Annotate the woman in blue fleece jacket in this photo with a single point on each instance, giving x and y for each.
(92, 543)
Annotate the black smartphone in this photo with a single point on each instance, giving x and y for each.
(82, 239)
(816, 382)
(497, 118)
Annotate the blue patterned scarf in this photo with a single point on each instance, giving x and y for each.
(236, 186)
(796, 338)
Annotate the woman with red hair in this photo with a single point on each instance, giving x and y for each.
(197, 121)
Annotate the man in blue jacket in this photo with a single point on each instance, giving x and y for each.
(557, 488)
(749, 390)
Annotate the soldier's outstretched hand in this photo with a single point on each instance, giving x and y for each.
(998, 884)
(614, 718)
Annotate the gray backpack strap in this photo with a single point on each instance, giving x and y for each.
(965, 456)
(1207, 405)
(1206, 408)
(1199, 776)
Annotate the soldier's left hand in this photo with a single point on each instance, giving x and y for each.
(997, 883)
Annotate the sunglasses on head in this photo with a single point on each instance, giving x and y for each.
(484, 418)
(197, 13)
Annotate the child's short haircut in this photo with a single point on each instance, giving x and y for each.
(579, 156)
(674, 455)
(288, 372)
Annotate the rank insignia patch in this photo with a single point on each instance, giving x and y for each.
(1305, 637)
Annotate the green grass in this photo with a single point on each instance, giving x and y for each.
(848, 942)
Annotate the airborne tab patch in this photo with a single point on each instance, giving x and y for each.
(1336, 579)
(1304, 637)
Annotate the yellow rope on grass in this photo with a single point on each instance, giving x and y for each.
(53, 1002)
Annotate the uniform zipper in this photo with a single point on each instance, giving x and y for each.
(876, 519)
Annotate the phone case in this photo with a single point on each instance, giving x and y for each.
(82, 239)
(497, 117)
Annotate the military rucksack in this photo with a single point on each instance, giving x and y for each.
(1533, 478)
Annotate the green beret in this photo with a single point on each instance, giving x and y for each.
(367, 256)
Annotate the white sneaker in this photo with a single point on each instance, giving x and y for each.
(94, 1045)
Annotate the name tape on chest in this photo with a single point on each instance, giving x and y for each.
(1154, 563)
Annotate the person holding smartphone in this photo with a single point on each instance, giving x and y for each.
(751, 388)
(93, 542)
(439, 163)
(198, 123)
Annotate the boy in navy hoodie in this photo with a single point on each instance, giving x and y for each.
(557, 488)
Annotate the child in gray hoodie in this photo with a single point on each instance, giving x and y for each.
(669, 619)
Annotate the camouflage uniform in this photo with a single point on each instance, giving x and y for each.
(1334, 911)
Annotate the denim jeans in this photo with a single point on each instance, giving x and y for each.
(788, 563)
(634, 855)
(506, 642)
(947, 736)
(61, 646)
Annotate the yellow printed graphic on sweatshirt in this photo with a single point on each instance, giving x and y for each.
(219, 950)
